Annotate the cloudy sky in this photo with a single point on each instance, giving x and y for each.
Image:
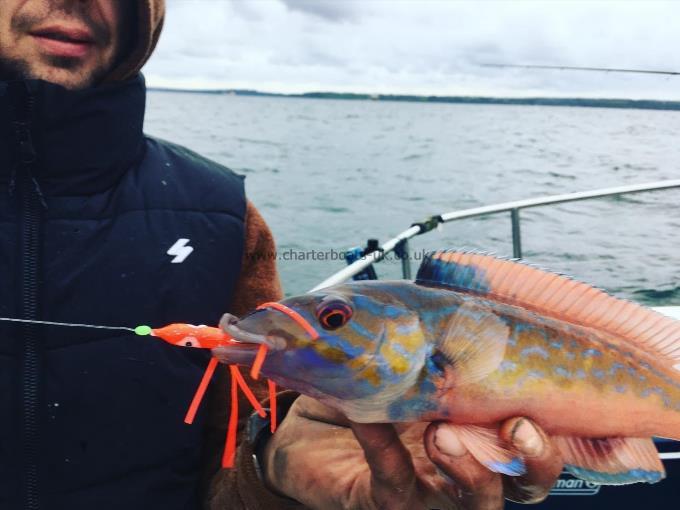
(419, 46)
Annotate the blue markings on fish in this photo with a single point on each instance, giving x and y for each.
(515, 467)
(556, 344)
(561, 371)
(507, 366)
(459, 276)
(420, 403)
(535, 350)
(616, 366)
(592, 353)
(636, 475)
(597, 373)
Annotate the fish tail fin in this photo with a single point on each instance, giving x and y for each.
(611, 461)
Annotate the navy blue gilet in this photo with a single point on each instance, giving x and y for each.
(102, 225)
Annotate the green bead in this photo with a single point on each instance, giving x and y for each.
(143, 330)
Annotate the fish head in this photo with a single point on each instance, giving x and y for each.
(346, 342)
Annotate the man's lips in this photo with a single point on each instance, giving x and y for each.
(59, 41)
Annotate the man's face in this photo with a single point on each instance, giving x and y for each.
(69, 42)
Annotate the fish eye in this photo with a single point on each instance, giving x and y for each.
(334, 312)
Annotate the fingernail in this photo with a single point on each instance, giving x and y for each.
(446, 440)
(527, 439)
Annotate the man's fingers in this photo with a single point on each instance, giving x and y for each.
(542, 459)
(388, 458)
(392, 473)
(476, 487)
(311, 409)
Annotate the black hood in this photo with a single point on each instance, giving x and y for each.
(84, 140)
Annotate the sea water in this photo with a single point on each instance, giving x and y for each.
(329, 174)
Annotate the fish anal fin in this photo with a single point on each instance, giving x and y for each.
(485, 445)
(556, 296)
(611, 461)
(474, 342)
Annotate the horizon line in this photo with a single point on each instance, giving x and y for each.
(610, 102)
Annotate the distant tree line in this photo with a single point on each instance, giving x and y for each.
(645, 104)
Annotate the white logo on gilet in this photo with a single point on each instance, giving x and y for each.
(180, 250)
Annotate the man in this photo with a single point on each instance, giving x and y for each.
(101, 225)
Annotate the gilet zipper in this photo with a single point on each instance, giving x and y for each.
(30, 236)
(32, 204)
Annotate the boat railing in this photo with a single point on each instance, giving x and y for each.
(399, 243)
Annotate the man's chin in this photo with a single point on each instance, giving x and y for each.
(67, 72)
(73, 79)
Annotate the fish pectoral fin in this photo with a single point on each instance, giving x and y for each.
(474, 342)
(485, 445)
(611, 461)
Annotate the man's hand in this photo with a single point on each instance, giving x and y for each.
(320, 459)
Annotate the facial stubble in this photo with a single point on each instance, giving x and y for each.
(20, 68)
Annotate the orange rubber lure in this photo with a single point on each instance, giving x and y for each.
(206, 337)
(189, 335)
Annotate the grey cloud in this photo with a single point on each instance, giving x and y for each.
(315, 57)
(329, 10)
(246, 10)
(417, 46)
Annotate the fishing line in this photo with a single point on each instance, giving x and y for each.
(173, 334)
(67, 324)
(584, 68)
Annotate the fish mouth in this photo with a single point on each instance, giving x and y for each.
(246, 339)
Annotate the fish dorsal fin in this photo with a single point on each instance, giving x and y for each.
(555, 296)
